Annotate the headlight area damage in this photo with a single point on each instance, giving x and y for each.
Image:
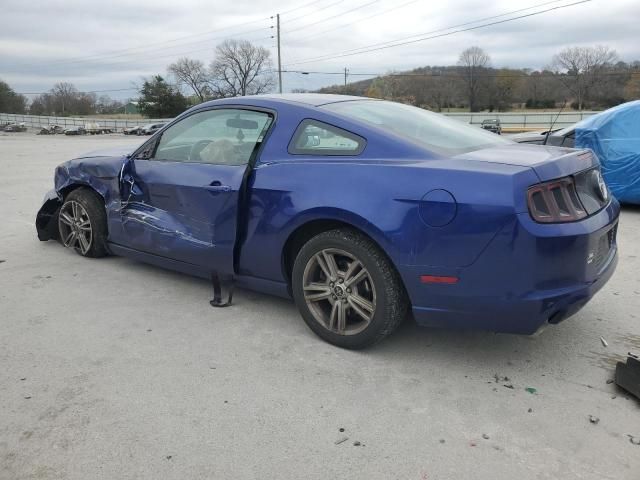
(100, 173)
(47, 217)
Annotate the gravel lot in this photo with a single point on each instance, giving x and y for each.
(112, 369)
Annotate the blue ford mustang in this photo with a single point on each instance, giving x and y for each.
(364, 211)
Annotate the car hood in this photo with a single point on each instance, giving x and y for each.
(119, 151)
(548, 162)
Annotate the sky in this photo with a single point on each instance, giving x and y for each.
(111, 46)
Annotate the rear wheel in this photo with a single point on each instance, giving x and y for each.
(82, 223)
(346, 289)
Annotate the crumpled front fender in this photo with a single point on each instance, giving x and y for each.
(47, 217)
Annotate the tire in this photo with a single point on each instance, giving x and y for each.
(83, 208)
(335, 318)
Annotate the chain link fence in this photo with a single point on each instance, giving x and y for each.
(512, 121)
(38, 122)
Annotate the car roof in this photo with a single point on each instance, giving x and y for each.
(308, 99)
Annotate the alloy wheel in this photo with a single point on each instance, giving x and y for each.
(339, 291)
(75, 227)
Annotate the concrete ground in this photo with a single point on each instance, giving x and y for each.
(112, 369)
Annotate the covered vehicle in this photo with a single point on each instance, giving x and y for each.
(362, 210)
(614, 135)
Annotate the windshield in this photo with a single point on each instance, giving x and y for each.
(563, 132)
(431, 130)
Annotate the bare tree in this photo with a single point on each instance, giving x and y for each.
(193, 74)
(64, 94)
(581, 68)
(473, 61)
(240, 68)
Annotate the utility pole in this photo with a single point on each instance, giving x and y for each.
(279, 61)
(346, 72)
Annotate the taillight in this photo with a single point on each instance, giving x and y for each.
(555, 201)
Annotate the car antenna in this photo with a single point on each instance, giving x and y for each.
(554, 122)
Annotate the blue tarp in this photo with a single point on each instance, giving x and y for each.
(614, 135)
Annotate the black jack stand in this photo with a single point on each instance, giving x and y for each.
(221, 298)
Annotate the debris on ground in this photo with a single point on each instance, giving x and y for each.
(508, 385)
(27, 397)
(594, 419)
(530, 410)
(23, 379)
(531, 390)
(485, 436)
(342, 439)
(169, 457)
(356, 443)
(2, 261)
(499, 379)
(609, 381)
(472, 444)
(442, 440)
(604, 342)
(341, 429)
(634, 440)
(628, 375)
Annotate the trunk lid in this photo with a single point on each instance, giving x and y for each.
(548, 162)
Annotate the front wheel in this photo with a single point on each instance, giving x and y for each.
(346, 289)
(82, 223)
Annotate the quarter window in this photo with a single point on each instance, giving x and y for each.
(317, 138)
(219, 137)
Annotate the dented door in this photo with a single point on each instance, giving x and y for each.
(182, 201)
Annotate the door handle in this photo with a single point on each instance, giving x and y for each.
(216, 186)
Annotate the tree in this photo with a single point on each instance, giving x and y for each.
(158, 99)
(503, 89)
(240, 68)
(63, 96)
(106, 105)
(473, 62)
(373, 91)
(581, 67)
(193, 74)
(632, 88)
(10, 101)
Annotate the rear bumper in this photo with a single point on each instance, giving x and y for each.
(530, 275)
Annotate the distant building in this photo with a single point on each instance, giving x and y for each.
(131, 108)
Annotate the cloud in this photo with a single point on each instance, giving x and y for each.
(109, 45)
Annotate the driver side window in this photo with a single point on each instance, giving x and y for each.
(220, 137)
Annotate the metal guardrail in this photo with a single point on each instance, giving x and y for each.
(510, 120)
(37, 121)
(523, 120)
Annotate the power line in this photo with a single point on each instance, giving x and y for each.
(400, 42)
(148, 46)
(302, 6)
(333, 16)
(454, 75)
(150, 50)
(358, 20)
(291, 20)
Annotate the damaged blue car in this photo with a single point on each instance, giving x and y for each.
(364, 211)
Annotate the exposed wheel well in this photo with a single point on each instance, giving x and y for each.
(306, 232)
(75, 186)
